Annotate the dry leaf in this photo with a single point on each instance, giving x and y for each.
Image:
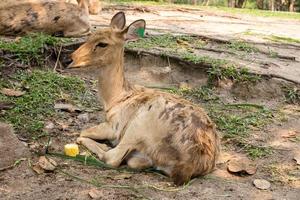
(63, 126)
(297, 158)
(96, 194)
(66, 107)
(121, 176)
(241, 166)
(47, 163)
(37, 168)
(262, 184)
(11, 92)
(6, 105)
(289, 134)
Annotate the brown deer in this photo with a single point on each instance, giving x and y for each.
(51, 17)
(152, 128)
(94, 6)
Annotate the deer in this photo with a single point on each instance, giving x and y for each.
(94, 6)
(151, 128)
(51, 17)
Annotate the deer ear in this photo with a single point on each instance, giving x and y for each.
(135, 30)
(118, 21)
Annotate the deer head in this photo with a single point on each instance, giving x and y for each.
(106, 46)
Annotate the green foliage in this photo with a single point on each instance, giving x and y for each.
(241, 46)
(217, 72)
(202, 93)
(255, 152)
(275, 38)
(237, 121)
(30, 48)
(292, 95)
(43, 88)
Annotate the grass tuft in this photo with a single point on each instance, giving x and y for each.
(42, 88)
(30, 48)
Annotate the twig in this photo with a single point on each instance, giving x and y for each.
(57, 60)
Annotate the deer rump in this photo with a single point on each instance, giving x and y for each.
(51, 17)
(165, 132)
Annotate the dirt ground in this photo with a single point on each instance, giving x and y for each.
(282, 135)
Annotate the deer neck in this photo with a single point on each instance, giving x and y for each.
(112, 85)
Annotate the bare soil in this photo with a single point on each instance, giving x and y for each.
(282, 135)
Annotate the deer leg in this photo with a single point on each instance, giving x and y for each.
(95, 147)
(139, 161)
(102, 131)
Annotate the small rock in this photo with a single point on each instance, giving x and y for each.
(297, 158)
(96, 194)
(83, 117)
(47, 164)
(49, 126)
(11, 148)
(262, 184)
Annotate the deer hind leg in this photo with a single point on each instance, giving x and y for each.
(138, 160)
(102, 131)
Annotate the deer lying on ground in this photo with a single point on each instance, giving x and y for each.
(152, 128)
(51, 17)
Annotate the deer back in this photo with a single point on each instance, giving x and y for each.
(51, 17)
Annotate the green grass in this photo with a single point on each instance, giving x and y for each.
(238, 121)
(239, 45)
(219, 72)
(203, 93)
(255, 152)
(292, 95)
(164, 41)
(30, 48)
(275, 38)
(42, 88)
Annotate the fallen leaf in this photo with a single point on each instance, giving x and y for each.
(121, 176)
(297, 159)
(6, 105)
(96, 194)
(63, 126)
(11, 92)
(47, 164)
(241, 166)
(262, 184)
(66, 107)
(37, 168)
(289, 134)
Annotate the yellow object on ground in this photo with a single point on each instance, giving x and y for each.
(71, 150)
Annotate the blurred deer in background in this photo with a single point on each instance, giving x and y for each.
(51, 17)
(152, 128)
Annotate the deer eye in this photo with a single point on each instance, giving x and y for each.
(101, 45)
